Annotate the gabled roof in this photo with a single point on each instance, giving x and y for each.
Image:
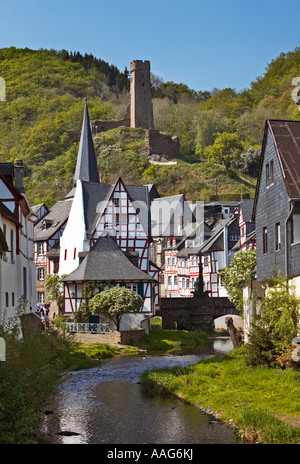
(216, 234)
(286, 139)
(246, 205)
(106, 261)
(96, 196)
(165, 214)
(53, 220)
(8, 214)
(86, 166)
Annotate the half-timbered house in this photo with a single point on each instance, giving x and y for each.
(47, 232)
(107, 263)
(17, 274)
(98, 208)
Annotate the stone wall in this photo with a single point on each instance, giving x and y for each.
(163, 146)
(30, 324)
(193, 313)
(103, 126)
(124, 337)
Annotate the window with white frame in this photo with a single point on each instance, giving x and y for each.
(132, 287)
(277, 236)
(41, 297)
(41, 273)
(40, 248)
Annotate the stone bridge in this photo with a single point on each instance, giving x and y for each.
(197, 313)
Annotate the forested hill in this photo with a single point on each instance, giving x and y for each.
(220, 130)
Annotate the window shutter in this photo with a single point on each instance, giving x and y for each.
(141, 289)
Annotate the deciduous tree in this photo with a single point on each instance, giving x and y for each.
(116, 302)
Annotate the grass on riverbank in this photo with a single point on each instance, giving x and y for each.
(87, 355)
(33, 369)
(255, 399)
(170, 340)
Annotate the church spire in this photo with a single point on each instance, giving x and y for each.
(86, 166)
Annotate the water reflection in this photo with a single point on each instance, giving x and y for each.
(105, 405)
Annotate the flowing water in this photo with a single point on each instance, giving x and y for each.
(105, 406)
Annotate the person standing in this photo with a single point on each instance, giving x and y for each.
(42, 312)
(46, 315)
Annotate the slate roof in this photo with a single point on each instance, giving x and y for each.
(216, 234)
(55, 218)
(8, 213)
(286, 138)
(106, 261)
(3, 243)
(86, 166)
(246, 206)
(286, 135)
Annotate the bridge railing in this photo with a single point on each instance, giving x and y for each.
(87, 327)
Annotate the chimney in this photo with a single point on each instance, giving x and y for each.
(19, 176)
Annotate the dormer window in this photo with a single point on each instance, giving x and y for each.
(46, 224)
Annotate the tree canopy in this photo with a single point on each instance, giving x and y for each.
(116, 302)
(40, 120)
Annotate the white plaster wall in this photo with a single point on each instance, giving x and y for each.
(74, 235)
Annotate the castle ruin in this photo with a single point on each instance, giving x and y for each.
(141, 107)
(140, 114)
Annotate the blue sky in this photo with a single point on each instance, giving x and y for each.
(203, 44)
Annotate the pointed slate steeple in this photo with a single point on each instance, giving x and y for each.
(86, 166)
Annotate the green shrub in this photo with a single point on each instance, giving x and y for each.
(260, 349)
(32, 370)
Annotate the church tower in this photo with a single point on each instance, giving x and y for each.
(86, 166)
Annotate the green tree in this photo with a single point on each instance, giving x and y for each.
(116, 302)
(89, 290)
(238, 274)
(227, 148)
(280, 311)
(208, 124)
(272, 332)
(55, 290)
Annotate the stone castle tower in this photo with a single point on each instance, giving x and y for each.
(141, 108)
(159, 147)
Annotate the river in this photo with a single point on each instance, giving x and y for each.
(105, 405)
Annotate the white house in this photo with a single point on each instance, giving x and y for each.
(96, 209)
(17, 274)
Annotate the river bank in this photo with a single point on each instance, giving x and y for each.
(105, 405)
(261, 403)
